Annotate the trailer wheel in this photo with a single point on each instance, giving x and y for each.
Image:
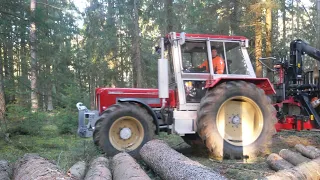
(236, 120)
(126, 129)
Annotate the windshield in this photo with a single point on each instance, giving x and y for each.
(227, 58)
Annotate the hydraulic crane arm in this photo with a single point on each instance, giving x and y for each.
(297, 49)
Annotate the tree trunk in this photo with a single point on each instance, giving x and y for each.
(278, 163)
(293, 157)
(125, 167)
(49, 88)
(5, 170)
(99, 170)
(32, 166)
(235, 15)
(171, 165)
(318, 25)
(78, 170)
(10, 83)
(169, 15)
(310, 153)
(137, 64)
(314, 149)
(284, 34)
(305, 171)
(258, 42)
(2, 97)
(269, 37)
(34, 97)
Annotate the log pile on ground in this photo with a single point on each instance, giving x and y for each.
(5, 170)
(293, 165)
(171, 165)
(99, 169)
(125, 167)
(78, 170)
(32, 166)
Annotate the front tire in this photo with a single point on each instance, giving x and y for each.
(126, 129)
(236, 120)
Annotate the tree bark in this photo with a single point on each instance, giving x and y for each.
(305, 171)
(125, 167)
(32, 166)
(137, 64)
(2, 97)
(171, 165)
(78, 170)
(235, 15)
(318, 25)
(269, 37)
(313, 149)
(307, 152)
(5, 170)
(258, 42)
(293, 157)
(99, 170)
(284, 34)
(34, 97)
(278, 163)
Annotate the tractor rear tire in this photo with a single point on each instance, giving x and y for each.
(125, 128)
(236, 120)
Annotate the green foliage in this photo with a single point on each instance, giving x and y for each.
(66, 121)
(23, 122)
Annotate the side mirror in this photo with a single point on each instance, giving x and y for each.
(182, 38)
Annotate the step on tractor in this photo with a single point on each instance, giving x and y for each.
(207, 93)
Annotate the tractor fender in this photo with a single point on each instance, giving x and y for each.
(147, 107)
(263, 83)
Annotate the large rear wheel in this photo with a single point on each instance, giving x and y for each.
(125, 129)
(236, 119)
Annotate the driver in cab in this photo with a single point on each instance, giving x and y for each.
(217, 62)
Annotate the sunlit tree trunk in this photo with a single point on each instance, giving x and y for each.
(284, 34)
(34, 97)
(258, 41)
(269, 36)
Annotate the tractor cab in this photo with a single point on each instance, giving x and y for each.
(189, 56)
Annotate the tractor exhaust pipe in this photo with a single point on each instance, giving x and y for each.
(163, 76)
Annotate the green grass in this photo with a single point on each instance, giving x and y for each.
(52, 136)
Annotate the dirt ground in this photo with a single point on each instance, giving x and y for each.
(240, 169)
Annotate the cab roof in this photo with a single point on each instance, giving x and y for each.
(211, 36)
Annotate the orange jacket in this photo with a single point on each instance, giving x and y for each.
(218, 65)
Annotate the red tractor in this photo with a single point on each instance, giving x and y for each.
(229, 112)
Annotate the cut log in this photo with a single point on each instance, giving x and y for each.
(99, 170)
(125, 167)
(308, 152)
(293, 157)
(171, 165)
(314, 149)
(305, 171)
(5, 170)
(278, 163)
(32, 166)
(78, 170)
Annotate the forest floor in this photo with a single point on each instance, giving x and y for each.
(65, 150)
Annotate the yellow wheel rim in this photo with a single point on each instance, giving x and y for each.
(126, 133)
(239, 121)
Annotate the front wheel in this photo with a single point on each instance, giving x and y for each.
(126, 129)
(235, 120)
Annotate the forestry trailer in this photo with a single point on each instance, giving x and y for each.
(229, 112)
(297, 98)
